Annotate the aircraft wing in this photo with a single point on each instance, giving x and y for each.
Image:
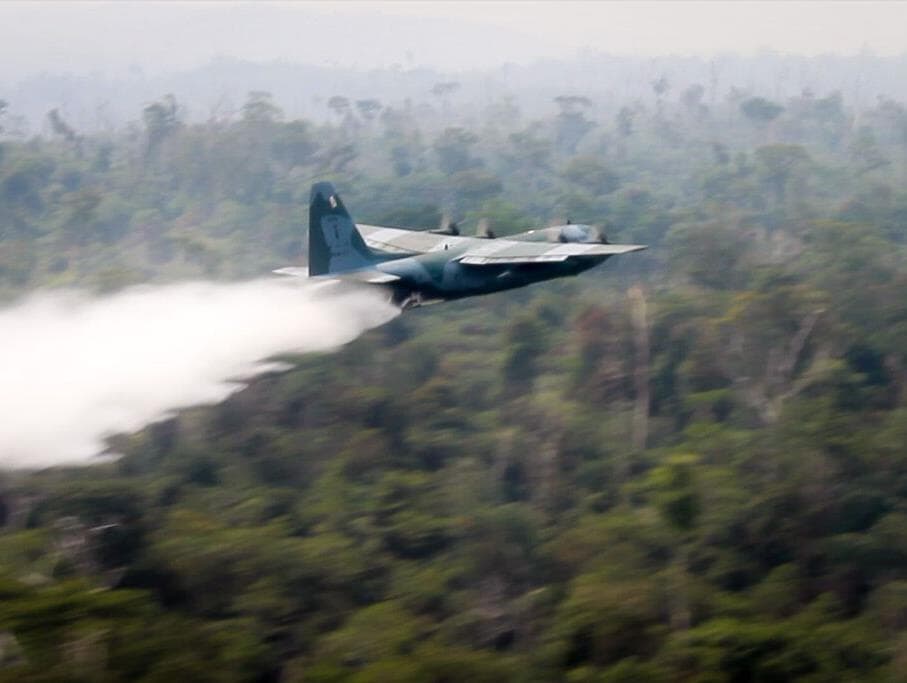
(398, 241)
(503, 251)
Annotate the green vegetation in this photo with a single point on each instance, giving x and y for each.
(686, 466)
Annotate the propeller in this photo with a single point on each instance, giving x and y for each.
(446, 226)
(582, 234)
(483, 229)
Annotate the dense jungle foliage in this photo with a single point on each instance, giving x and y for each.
(686, 465)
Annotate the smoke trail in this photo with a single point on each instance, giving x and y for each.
(74, 369)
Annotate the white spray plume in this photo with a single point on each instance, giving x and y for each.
(74, 369)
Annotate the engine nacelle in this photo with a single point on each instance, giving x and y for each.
(584, 234)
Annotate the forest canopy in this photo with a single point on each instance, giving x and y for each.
(684, 466)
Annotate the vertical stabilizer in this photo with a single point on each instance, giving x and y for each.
(335, 245)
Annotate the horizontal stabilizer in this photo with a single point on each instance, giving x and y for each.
(369, 277)
(292, 271)
(373, 277)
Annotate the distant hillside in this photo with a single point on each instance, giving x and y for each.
(94, 102)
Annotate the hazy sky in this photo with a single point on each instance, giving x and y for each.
(159, 36)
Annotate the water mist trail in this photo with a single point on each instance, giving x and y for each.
(74, 369)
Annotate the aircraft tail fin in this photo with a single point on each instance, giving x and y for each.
(335, 245)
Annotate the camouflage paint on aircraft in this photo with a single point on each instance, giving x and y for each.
(426, 267)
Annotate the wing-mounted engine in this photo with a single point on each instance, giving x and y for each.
(581, 234)
(446, 227)
(484, 231)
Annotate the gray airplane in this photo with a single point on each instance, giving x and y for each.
(422, 267)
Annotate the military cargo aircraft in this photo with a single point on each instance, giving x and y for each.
(423, 267)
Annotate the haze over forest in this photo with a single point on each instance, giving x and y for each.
(99, 63)
(688, 465)
(95, 103)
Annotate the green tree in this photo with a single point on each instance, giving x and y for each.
(453, 148)
(259, 108)
(162, 120)
(760, 110)
(591, 174)
(678, 500)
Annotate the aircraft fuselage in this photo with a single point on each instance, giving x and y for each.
(437, 276)
(440, 265)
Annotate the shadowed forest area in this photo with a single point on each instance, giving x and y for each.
(688, 464)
